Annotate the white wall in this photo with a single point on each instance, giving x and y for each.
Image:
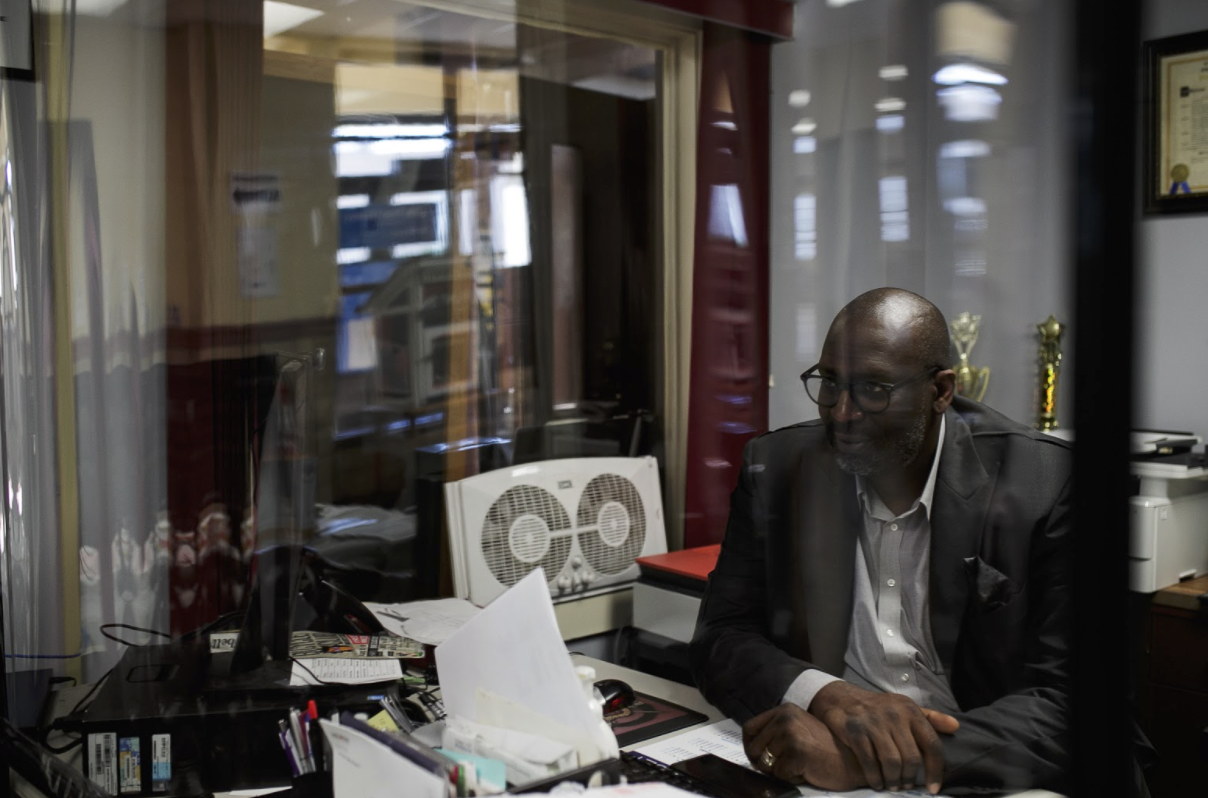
(1172, 283)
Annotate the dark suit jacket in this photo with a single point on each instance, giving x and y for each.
(780, 599)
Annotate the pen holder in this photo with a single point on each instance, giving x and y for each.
(312, 785)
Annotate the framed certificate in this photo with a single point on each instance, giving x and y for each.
(1176, 152)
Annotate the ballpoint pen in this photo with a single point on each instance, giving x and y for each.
(317, 757)
(295, 726)
(287, 744)
(308, 750)
(397, 715)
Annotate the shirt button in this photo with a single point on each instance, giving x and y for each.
(894, 527)
(891, 583)
(889, 632)
(905, 677)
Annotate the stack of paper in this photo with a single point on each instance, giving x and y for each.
(329, 658)
(508, 668)
(362, 767)
(429, 622)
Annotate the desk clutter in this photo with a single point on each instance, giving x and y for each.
(442, 699)
(520, 717)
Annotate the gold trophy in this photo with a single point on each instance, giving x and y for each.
(971, 381)
(1050, 363)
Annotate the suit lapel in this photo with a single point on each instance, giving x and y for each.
(827, 549)
(958, 518)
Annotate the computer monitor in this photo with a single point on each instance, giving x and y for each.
(285, 514)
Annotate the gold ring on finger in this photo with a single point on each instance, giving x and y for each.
(768, 759)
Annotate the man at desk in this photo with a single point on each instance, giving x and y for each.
(891, 607)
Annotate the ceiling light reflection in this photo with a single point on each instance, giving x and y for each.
(955, 74)
(280, 17)
(966, 148)
(965, 206)
(969, 102)
(799, 98)
(891, 123)
(804, 127)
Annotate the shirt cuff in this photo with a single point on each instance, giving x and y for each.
(803, 689)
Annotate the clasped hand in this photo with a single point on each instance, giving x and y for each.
(852, 738)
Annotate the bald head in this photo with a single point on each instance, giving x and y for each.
(886, 359)
(915, 325)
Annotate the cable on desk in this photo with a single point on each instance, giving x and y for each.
(43, 656)
(88, 695)
(216, 624)
(58, 749)
(299, 663)
(132, 628)
(429, 703)
(62, 724)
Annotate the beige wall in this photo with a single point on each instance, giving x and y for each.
(296, 127)
(117, 86)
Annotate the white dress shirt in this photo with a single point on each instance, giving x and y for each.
(890, 647)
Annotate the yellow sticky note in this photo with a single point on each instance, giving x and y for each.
(383, 722)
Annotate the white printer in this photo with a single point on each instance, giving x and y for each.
(1168, 537)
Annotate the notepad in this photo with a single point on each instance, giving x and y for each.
(330, 670)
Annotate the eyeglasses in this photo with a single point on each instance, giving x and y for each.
(870, 397)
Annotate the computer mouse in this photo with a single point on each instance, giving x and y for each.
(617, 694)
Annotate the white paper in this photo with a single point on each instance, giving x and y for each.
(526, 757)
(429, 622)
(513, 649)
(504, 714)
(256, 248)
(364, 768)
(647, 789)
(340, 670)
(724, 739)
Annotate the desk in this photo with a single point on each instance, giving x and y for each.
(691, 698)
(658, 687)
(655, 686)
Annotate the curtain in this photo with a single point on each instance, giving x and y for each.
(727, 398)
(922, 144)
(85, 538)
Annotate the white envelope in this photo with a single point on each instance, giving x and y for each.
(362, 767)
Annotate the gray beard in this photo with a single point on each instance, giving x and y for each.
(882, 460)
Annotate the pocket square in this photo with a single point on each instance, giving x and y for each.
(992, 587)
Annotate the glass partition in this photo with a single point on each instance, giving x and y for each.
(281, 272)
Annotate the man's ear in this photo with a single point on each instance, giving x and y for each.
(945, 390)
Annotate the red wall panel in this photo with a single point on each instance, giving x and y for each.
(728, 394)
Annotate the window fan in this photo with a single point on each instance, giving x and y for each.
(584, 520)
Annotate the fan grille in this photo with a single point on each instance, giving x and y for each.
(612, 523)
(526, 527)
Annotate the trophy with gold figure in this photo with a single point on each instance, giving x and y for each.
(1050, 364)
(971, 381)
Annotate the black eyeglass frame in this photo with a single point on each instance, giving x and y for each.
(848, 386)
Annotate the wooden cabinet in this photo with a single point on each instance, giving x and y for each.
(1173, 696)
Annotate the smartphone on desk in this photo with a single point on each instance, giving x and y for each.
(728, 780)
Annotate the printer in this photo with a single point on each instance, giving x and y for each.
(1168, 534)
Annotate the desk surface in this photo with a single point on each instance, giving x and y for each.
(1184, 595)
(656, 686)
(691, 698)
